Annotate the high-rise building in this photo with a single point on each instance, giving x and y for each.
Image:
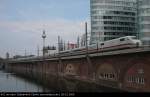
(112, 19)
(144, 21)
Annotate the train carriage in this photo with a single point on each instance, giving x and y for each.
(115, 44)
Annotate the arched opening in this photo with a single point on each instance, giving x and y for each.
(106, 72)
(70, 70)
(135, 77)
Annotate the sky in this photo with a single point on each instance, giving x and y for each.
(22, 23)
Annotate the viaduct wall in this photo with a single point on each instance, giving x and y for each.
(125, 72)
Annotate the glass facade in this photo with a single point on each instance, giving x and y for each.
(112, 19)
(144, 20)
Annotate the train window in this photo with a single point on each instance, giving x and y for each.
(134, 38)
(102, 43)
(123, 39)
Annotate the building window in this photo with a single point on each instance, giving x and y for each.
(137, 80)
(108, 76)
(142, 81)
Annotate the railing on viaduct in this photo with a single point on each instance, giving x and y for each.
(127, 69)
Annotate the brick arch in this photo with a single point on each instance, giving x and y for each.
(137, 77)
(70, 69)
(106, 72)
(131, 62)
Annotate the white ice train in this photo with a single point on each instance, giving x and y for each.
(110, 45)
(119, 43)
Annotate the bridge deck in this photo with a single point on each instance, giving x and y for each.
(95, 54)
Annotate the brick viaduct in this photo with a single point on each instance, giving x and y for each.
(123, 71)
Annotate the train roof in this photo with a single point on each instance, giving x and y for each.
(129, 36)
(118, 39)
(122, 37)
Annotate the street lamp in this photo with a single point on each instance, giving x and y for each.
(43, 36)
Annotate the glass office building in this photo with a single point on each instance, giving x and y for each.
(144, 20)
(112, 19)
